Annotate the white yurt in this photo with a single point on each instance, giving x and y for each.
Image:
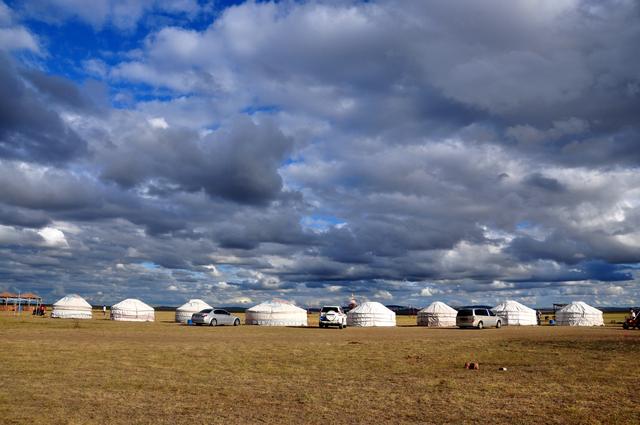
(579, 313)
(71, 306)
(437, 315)
(276, 313)
(186, 310)
(515, 314)
(371, 314)
(132, 310)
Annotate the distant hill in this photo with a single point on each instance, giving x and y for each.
(402, 310)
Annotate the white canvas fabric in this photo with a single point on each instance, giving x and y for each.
(132, 310)
(186, 310)
(371, 314)
(437, 315)
(515, 314)
(579, 313)
(276, 313)
(71, 306)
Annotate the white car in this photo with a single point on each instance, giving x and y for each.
(214, 317)
(332, 315)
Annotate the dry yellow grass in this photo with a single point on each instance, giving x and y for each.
(99, 371)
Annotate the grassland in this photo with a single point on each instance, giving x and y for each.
(99, 371)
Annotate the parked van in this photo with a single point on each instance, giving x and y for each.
(477, 317)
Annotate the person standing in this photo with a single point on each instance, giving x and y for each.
(104, 311)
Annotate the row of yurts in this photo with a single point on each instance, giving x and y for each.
(281, 313)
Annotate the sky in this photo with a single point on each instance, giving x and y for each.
(406, 152)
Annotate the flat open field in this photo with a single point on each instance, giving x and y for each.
(79, 372)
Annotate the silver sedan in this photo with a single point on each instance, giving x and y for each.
(214, 317)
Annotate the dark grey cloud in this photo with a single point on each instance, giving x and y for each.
(29, 129)
(247, 230)
(239, 163)
(13, 216)
(58, 90)
(47, 189)
(572, 248)
(537, 180)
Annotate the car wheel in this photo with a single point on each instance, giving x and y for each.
(480, 325)
(213, 322)
(236, 322)
(498, 324)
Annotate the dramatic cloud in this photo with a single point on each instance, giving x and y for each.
(463, 151)
(14, 37)
(30, 129)
(239, 163)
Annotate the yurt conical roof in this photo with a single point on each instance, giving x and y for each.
(276, 313)
(72, 301)
(579, 307)
(511, 305)
(275, 306)
(372, 307)
(71, 306)
(131, 303)
(439, 307)
(371, 313)
(194, 304)
(186, 310)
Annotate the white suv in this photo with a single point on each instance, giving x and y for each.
(332, 315)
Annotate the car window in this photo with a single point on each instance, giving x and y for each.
(328, 309)
(481, 311)
(220, 312)
(491, 313)
(206, 310)
(465, 313)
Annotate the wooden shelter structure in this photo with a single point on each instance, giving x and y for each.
(19, 302)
